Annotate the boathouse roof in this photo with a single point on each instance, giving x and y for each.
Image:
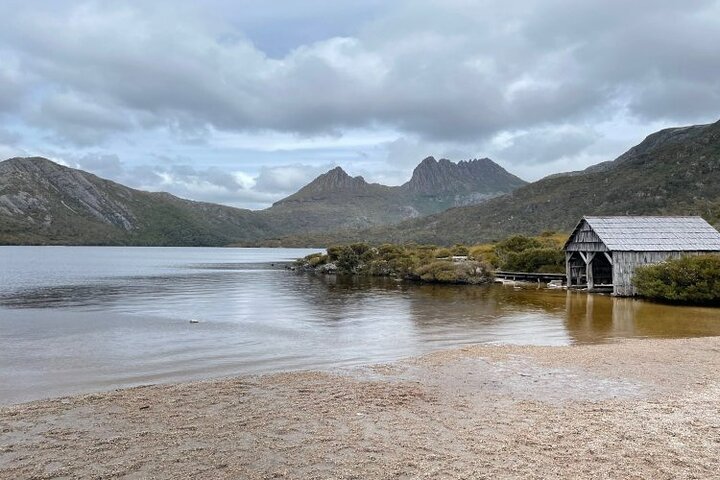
(653, 234)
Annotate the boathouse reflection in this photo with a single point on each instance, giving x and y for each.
(593, 318)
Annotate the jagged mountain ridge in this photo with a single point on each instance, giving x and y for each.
(675, 171)
(43, 202)
(352, 202)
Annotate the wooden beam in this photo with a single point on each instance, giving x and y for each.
(568, 270)
(582, 255)
(607, 255)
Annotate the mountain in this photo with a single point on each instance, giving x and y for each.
(335, 200)
(438, 185)
(42, 202)
(673, 171)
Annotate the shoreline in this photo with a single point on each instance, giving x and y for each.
(634, 409)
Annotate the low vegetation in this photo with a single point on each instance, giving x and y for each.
(690, 279)
(458, 264)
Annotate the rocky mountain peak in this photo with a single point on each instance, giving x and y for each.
(28, 164)
(482, 175)
(336, 179)
(330, 184)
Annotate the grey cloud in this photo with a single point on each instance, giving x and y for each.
(9, 137)
(444, 72)
(407, 153)
(9, 151)
(448, 77)
(286, 179)
(11, 89)
(103, 165)
(202, 184)
(545, 145)
(210, 184)
(79, 120)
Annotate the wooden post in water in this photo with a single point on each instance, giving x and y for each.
(568, 270)
(589, 270)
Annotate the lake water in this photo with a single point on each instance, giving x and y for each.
(82, 319)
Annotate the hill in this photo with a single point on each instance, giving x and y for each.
(673, 171)
(42, 202)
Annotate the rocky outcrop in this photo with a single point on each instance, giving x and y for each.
(337, 200)
(36, 187)
(473, 177)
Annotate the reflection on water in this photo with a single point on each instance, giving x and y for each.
(593, 318)
(83, 319)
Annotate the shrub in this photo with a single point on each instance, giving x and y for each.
(454, 272)
(360, 249)
(443, 253)
(316, 259)
(389, 251)
(347, 260)
(690, 279)
(334, 251)
(517, 243)
(460, 250)
(484, 253)
(535, 260)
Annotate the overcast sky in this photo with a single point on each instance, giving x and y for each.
(242, 102)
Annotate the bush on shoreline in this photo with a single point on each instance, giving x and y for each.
(690, 279)
(429, 263)
(543, 254)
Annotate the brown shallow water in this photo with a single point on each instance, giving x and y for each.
(76, 320)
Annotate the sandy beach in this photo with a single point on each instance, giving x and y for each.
(634, 409)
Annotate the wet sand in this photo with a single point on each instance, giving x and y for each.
(633, 409)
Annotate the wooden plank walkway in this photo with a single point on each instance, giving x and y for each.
(530, 276)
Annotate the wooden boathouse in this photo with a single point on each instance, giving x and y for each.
(603, 252)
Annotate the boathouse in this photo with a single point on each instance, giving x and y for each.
(603, 252)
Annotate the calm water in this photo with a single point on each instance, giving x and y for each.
(84, 319)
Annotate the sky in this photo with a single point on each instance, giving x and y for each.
(242, 102)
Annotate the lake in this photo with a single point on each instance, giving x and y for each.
(83, 319)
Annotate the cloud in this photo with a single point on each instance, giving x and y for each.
(456, 71)
(11, 87)
(103, 165)
(286, 179)
(543, 145)
(210, 184)
(250, 100)
(8, 151)
(80, 120)
(9, 137)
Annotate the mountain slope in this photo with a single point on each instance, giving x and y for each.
(673, 171)
(42, 202)
(337, 200)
